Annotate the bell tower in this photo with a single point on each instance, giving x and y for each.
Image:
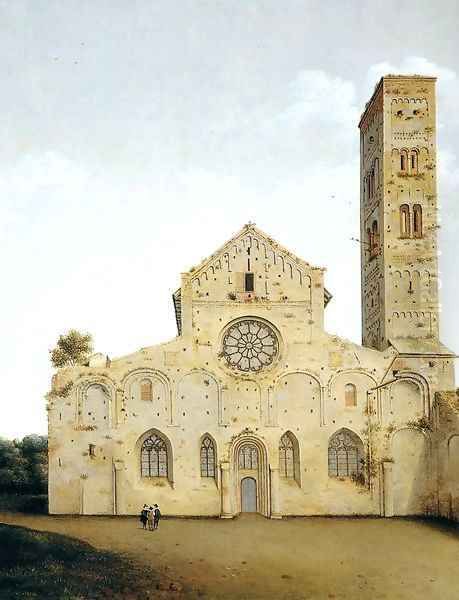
(398, 212)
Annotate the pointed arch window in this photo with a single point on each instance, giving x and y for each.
(345, 454)
(146, 390)
(286, 457)
(417, 221)
(350, 395)
(154, 457)
(405, 226)
(208, 457)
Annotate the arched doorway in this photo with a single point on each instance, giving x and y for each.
(248, 495)
(249, 476)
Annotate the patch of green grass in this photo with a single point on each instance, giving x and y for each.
(40, 565)
(25, 503)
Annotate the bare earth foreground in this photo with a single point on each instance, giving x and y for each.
(308, 558)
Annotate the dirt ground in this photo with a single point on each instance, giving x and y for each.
(308, 558)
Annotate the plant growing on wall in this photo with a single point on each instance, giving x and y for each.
(72, 349)
(422, 423)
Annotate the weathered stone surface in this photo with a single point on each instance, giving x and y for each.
(254, 387)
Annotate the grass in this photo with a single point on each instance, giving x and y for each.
(36, 504)
(41, 565)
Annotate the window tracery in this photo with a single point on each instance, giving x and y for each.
(208, 458)
(345, 454)
(154, 457)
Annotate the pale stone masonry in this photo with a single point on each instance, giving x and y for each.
(254, 406)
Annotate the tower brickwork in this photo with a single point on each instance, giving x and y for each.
(398, 212)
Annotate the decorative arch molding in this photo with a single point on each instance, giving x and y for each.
(356, 371)
(453, 437)
(170, 455)
(263, 481)
(421, 382)
(272, 408)
(147, 373)
(215, 379)
(81, 389)
(425, 434)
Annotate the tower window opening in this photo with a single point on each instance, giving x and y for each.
(405, 228)
(403, 160)
(414, 162)
(373, 239)
(249, 282)
(417, 221)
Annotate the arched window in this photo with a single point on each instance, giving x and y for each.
(286, 457)
(374, 240)
(248, 457)
(350, 395)
(154, 457)
(146, 390)
(403, 161)
(208, 458)
(414, 159)
(405, 226)
(345, 454)
(96, 405)
(417, 221)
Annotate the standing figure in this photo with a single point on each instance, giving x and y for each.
(151, 518)
(157, 516)
(144, 516)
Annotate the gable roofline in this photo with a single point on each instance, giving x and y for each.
(251, 228)
(247, 228)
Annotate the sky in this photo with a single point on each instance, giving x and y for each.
(138, 136)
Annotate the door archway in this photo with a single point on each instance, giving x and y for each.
(249, 461)
(248, 495)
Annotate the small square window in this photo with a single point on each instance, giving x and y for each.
(249, 282)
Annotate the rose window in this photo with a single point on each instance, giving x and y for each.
(250, 345)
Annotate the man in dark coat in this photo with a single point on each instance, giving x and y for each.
(156, 517)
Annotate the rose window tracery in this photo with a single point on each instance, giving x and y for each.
(250, 345)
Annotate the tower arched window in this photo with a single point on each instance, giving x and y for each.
(345, 454)
(405, 226)
(154, 458)
(374, 239)
(146, 390)
(417, 221)
(350, 395)
(414, 160)
(208, 457)
(404, 161)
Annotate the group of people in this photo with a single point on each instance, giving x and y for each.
(150, 515)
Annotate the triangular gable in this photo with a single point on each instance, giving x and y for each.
(259, 237)
(251, 230)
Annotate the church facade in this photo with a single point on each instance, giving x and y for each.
(254, 407)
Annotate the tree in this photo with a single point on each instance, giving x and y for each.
(13, 468)
(34, 449)
(72, 349)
